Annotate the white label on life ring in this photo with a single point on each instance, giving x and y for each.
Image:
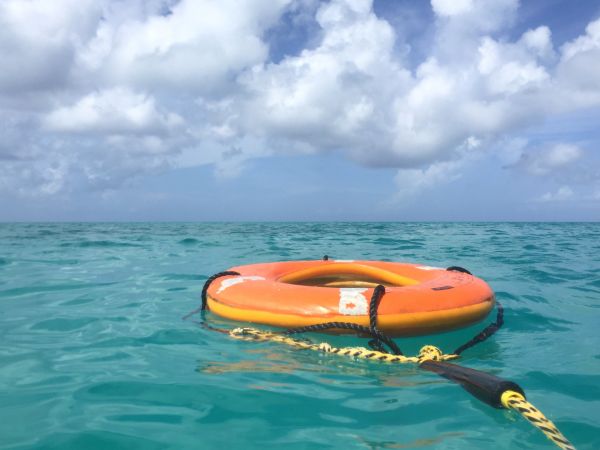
(353, 302)
(237, 280)
(344, 260)
(429, 268)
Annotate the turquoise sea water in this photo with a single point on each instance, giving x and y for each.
(94, 353)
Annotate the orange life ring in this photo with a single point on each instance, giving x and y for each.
(419, 299)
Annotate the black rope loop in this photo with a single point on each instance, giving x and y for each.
(207, 283)
(379, 338)
(359, 329)
(459, 269)
(486, 332)
(210, 280)
(377, 342)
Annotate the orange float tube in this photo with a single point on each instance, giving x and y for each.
(418, 299)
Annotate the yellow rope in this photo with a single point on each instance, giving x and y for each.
(509, 399)
(428, 352)
(516, 401)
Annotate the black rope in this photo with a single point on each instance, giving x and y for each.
(378, 337)
(485, 333)
(210, 280)
(346, 326)
(325, 258)
(375, 344)
(207, 283)
(459, 269)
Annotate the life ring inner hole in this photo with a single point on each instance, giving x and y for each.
(343, 280)
(336, 275)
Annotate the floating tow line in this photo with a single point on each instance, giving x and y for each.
(494, 391)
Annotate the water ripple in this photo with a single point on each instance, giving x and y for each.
(94, 354)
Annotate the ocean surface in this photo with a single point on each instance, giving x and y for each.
(94, 353)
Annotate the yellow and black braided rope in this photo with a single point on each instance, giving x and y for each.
(509, 399)
(516, 401)
(428, 352)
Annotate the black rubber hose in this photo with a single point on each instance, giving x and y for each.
(487, 388)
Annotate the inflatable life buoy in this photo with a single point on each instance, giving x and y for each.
(418, 300)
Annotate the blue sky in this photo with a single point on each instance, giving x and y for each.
(299, 110)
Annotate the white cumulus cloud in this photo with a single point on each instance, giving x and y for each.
(123, 88)
(546, 160)
(112, 111)
(411, 181)
(562, 194)
(40, 40)
(197, 46)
